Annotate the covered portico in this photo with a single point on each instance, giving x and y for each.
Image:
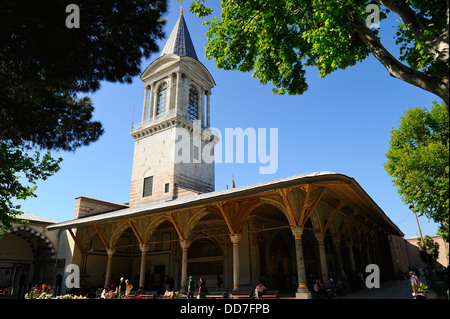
(279, 232)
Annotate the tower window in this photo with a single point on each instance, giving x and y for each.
(166, 188)
(161, 106)
(148, 186)
(193, 104)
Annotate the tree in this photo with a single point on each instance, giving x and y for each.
(45, 65)
(418, 162)
(428, 251)
(14, 161)
(277, 39)
(51, 57)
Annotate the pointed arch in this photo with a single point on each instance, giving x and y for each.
(34, 232)
(246, 210)
(117, 232)
(153, 225)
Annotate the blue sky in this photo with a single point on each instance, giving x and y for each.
(341, 124)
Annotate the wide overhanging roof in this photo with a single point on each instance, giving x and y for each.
(343, 187)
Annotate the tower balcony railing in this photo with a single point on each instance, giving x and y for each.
(166, 114)
(153, 119)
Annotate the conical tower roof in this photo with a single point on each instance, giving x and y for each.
(179, 42)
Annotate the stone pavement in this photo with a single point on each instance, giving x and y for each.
(388, 290)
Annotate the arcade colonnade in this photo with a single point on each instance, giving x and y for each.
(321, 225)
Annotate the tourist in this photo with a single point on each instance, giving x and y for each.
(202, 289)
(259, 290)
(319, 291)
(190, 290)
(128, 287)
(122, 287)
(330, 287)
(167, 283)
(219, 283)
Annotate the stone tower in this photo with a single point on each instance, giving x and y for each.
(169, 141)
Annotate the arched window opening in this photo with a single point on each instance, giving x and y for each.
(161, 106)
(193, 104)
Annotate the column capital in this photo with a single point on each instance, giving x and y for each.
(144, 248)
(110, 252)
(320, 237)
(297, 232)
(185, 244)
(349, 244)
(235, 238)
(336, 241)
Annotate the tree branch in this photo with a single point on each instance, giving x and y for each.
(407, 14)
(436, 84)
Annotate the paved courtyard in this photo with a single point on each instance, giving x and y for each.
(388, 290)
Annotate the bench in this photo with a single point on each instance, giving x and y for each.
(216, 294)
(242, 294)
(144, 295)
(270, 294)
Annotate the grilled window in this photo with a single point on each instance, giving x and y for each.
(161, 106)
(193, 104)
(148, 186)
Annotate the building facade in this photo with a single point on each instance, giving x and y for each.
(282, 232)
(176, 225)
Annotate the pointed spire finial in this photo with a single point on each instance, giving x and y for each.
(181, 10)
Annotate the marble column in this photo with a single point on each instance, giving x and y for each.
(322, 255)
(145, 107)
(110, 253)
(208, 123)
(144, 249)
(349, 245)
(169, 92)
(302, 291)
(235, 238)
(154, 99)
(340, 264)
(151, 105)
(184, 248)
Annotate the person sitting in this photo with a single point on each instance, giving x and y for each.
(330, 287)
(168, 294)
(319, 290)
(259, 290)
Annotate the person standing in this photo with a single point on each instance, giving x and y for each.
(190, 291)
(202, 289)
(219, 282)
(128, 287)
(122, 287)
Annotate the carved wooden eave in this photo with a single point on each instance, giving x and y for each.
(324, 187)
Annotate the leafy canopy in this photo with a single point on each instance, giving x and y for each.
(278, 39)
(418, 162)
(428, 250)
(44, 64)
(15, 165)
(46, 71)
